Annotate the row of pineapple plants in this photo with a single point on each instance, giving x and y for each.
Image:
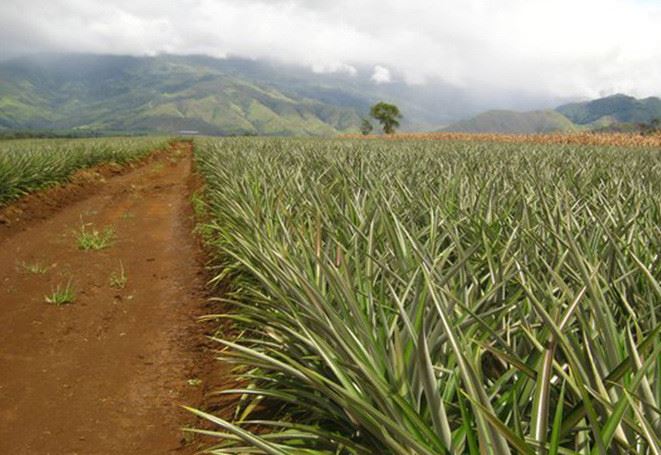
(30, 165)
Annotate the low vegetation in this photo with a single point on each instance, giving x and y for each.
(437, 297)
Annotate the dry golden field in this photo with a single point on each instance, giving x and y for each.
(614, 139)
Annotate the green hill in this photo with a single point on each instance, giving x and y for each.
(613, 109)
(617, 113)
(511, 122)
(169, 93)
(166, 94)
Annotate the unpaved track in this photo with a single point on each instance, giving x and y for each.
(106, 374)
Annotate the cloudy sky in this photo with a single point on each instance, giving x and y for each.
(555, 47)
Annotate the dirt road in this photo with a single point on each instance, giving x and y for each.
(105, 374)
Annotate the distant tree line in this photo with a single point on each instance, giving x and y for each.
(646, 129)
(653, 127)
(62, 134)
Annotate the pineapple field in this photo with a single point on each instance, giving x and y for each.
(438, 297)
(466, 294)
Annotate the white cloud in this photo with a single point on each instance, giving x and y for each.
(335, 68)
(560, 47)
(381, 75)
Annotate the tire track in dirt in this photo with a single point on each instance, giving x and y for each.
(106, 374)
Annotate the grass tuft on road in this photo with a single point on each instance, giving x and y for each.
(90, 239)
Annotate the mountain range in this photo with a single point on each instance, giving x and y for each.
(231, 96)
(613, 113)
(106, 94)
(165, 94)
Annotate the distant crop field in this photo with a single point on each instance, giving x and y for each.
(588, 138)
(29, 165)
(426, 297)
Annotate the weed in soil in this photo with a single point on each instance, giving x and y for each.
(36, 268)
(93, 239)
(119, 279)
(61, 295)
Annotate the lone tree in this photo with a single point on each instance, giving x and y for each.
(388, 115)
(366, 127)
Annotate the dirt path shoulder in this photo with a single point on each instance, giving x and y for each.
(105, 374)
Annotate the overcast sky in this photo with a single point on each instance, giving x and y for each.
(554, 47)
